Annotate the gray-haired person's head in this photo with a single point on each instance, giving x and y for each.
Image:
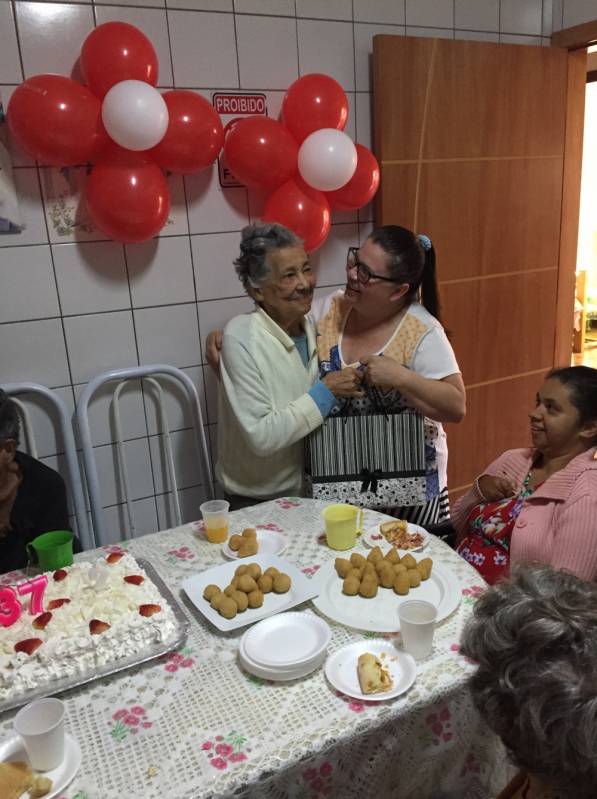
(9, 419)
(257, 241)
(535, 640)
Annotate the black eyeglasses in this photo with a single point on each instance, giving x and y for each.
(364, 274)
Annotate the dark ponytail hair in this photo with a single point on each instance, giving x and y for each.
(581, 382)
(411, 262)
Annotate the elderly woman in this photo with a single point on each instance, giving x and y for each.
(535, 641)
(540, 504)
(270, 395)
(386, 323)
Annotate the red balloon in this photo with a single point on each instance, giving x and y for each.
(194, 137)
(260, 152)
(362, 186)
(56, 120)
(312, 102)
(117, 51)
(127, 196)
(302, 209)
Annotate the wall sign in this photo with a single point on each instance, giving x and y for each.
(229, 107)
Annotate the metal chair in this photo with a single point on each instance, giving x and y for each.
(70, 452)
(120, 376)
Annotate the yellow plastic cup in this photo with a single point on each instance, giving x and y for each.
(342, 524)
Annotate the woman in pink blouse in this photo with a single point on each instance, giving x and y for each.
(540, 504)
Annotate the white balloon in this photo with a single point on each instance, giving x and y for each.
(327, 159)
(135, 115)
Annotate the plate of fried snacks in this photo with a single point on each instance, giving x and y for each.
(365, 590)
(402, 535)
(371, 670)
(252, 542)
(232, 595)
(19, 781)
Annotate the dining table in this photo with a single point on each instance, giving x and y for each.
(194, 725)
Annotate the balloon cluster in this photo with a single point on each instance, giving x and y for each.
(121, 124)
(305, 160)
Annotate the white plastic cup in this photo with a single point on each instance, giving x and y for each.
(417, 625)
(215, 516)
(41, 726)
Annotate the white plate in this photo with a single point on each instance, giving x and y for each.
(373, 537)
(277, 675)
(380, 614)
(61, 776)
(341, 669)
(287, 640)
(270, 543)
(301, 590)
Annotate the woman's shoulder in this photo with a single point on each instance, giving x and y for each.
(322, 305)
(240, 326)
(421, 313)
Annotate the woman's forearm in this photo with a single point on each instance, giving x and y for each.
(440, 400)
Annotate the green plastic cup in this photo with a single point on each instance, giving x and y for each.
(52, 550)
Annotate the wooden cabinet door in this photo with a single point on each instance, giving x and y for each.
(480, 148)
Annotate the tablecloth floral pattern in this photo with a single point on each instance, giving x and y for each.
(193, 725)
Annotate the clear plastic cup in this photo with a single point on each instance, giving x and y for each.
(417, 625)
(215, 516)
(41, 726)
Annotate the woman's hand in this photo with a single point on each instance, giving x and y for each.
(495, 488)
(383, 371)
(213, 349)
(344, 383)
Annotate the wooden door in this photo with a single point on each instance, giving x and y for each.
(480, 148)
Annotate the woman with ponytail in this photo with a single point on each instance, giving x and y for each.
(386, 323)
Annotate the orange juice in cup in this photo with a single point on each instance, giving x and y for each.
(215, 516)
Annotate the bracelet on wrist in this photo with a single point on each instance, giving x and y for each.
(477, 488)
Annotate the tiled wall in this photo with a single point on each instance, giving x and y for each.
(72, 304)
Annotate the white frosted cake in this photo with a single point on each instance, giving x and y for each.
(94, 613)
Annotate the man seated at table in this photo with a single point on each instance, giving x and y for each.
(32, 496)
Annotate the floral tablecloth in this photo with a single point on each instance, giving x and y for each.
(193, 725)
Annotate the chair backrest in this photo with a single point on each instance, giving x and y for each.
(121, 376)
(70, 452)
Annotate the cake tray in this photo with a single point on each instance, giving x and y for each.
(156, 651)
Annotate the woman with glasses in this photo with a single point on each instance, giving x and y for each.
(270, 396)
(386, 325)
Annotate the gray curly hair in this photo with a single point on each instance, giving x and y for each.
(535, 640)
(256, 242)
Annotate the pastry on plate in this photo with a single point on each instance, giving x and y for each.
(373, 677)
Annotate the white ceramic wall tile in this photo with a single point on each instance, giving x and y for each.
(156, 3)
(34, 351)
(190, 500)
(215, 275)
(91, 277)
(523, 18)
(363, 50)
(10, 65)
(386, 11)
(45, 421)
(327, 47)
(557, 18)
(578, 11)
(31, 209)
(66, 214)
(101, 414)
(203, 49)
(435, 33)
(214, 314)
(178, 408)
(201, 5)
(477, 36)
(187, 463)
(547, 17)
(150, 21)
(432, 13)
(69, 22)
(18, 156)
(365, 230)
(513, 38)
(213, 209)
(283, 8)
(28, 285)
(267, 53)
(99, 342)
(116, 520)
(363, 119)
(331, 9)
(160, 271)
(329, 262)
(482, 15)
(178, 223)
(168, 334)
(138, 461)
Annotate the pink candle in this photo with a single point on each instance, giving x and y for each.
(10, 607)
(36, 587)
